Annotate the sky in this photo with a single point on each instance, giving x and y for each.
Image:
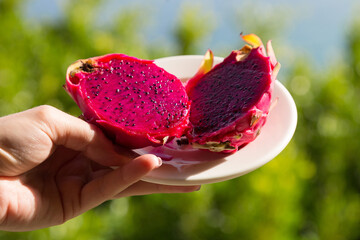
(317, 28)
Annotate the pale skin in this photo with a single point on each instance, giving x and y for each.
(54, 167)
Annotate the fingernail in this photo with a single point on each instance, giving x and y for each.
(159, 161)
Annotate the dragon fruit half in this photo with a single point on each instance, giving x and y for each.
(136, 102)
(139, 104)
(230, 102)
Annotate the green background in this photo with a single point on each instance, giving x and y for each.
(310, 191)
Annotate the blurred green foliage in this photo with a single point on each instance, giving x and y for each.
(310, 191)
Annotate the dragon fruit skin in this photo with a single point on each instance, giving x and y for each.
(231, 102)
(134, 101)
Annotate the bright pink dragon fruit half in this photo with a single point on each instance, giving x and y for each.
(134, 101)
(231, 102)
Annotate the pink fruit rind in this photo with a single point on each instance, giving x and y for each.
(132, 137)
(205, 66)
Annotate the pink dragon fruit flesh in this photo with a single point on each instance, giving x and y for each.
(134, 101)
(230, 102)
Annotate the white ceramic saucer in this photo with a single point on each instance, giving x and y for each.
(187, 166)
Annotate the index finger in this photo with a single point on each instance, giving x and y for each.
(74, 133)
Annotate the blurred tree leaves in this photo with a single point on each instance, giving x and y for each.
(310, 191)
(193, 26)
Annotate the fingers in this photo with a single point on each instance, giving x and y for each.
(145, 188)
(111, 184)
(74, 133)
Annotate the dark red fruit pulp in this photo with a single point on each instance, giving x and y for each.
(227, 92)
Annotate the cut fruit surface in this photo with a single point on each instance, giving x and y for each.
(134, 100)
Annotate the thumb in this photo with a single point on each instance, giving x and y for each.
(105, 187)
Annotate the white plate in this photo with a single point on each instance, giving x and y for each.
(189, 166)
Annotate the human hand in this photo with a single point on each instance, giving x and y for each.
(54, 167)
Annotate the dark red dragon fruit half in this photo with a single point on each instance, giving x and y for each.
(134, 101)
(230, 102)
